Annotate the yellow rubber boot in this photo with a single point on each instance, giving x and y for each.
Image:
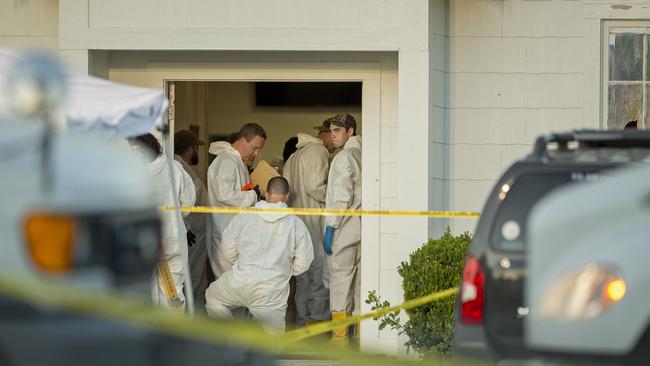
(339, 335)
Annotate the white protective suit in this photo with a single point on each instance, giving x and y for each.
(197, 222)
(174, 240)
(344, 192)
(306, 171)
(265, 250)
(226, 176)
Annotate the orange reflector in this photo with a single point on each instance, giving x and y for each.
(615, 289)
(49, 239)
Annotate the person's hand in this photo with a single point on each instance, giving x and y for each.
(327, 240)
(191, 238)
(258, 192)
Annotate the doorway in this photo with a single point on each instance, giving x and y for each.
(214, 110)
(371, 77)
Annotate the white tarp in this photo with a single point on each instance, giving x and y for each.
(98, 106)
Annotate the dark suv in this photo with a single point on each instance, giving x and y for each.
(489, 309)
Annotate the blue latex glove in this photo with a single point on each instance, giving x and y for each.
(327, 240)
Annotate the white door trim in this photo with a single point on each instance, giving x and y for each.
(370, 76)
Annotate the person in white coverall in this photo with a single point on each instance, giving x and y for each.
(227, 180)
(265, 250)
(342, 239)
(306, 171)
(187, 154)
(174, 240)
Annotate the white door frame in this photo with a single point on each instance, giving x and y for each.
(369, 74)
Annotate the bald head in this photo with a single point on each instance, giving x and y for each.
(277, 190)
(278, 185)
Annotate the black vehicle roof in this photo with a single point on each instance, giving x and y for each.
(592, 146)
(590, 150)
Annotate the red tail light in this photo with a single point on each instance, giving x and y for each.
(472, 293)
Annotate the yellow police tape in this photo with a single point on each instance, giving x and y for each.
(324, 212)
(136, 312)
(325, 327)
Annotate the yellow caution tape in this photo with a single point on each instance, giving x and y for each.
(325, 327)
(323, 212)
(167, 281)
(130, 311)
(134, 311)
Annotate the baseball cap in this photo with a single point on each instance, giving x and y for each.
(325, 127)
(345, 119)
(184, 139)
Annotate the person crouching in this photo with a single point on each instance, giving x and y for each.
(265, 250)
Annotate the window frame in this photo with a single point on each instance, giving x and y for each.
(625, 26)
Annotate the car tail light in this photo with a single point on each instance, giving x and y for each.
(126, 243)
(472, 292)
(50, 241)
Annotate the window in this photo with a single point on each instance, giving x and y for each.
(626, 75)
(282, 94)
(509, 231)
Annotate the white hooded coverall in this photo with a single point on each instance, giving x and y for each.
(306, 171)
(226, 176)
(197, 222)
(265, 250)
(344, 192)
(174, 240)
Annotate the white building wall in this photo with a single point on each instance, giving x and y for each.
(229, 25)
(248, 14)
(438, 136)
(29, 24)
(517, 69)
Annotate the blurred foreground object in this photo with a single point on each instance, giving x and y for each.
(35, 85)
(92, 104)
(589, 274)
(491, 309)
(95, 225)
(96, 222)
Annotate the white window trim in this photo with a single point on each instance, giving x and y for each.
(620, 26)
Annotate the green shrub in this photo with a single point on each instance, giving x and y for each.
(437, 265)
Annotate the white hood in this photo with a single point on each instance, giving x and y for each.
(304, 139)
(156, 166)
(353, 142)
(271, 217)
(218, 147)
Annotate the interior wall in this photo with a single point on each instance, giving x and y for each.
(229, 105)
(220, 108)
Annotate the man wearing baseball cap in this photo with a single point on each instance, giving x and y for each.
(306, 171)
(186, 152)
(325, 135)
(342, 237)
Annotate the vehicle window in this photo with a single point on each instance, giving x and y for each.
(509, 230)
